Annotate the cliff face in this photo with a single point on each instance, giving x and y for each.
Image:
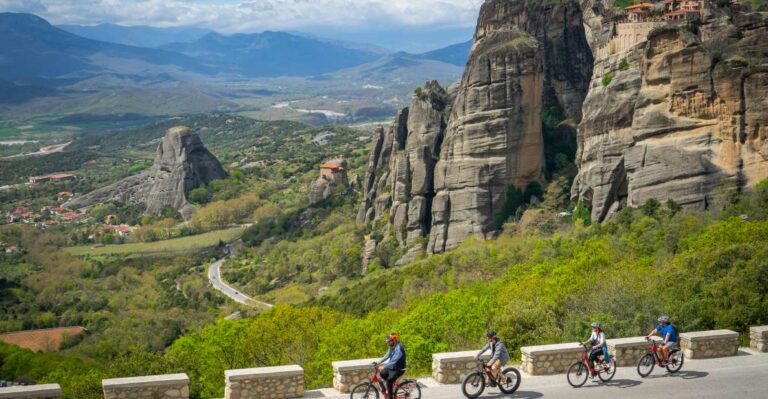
(440, 173)
(182, 163)
(684, 111)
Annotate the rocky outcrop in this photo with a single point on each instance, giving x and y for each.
(401, 172)
(679, 114)
(182, 164)
(441, 172)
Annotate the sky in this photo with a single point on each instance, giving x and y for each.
(341, 19)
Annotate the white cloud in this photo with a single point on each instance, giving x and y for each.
(254, 15)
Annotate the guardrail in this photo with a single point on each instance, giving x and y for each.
(169, 386)
(46, 391)
(281, 382)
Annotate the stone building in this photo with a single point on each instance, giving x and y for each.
(333, 173)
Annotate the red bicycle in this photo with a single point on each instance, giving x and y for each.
(579, 372)
(646, 363)
(406, 389)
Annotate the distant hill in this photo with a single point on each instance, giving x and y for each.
(32, 48)
(273, 54)
(456, 54)
(402, 68)
(140, 36)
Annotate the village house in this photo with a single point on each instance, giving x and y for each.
(73, 217)
(52, 177)
(64, 195)
(122, 230)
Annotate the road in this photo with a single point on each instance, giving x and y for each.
(743, 377)
(214, 277)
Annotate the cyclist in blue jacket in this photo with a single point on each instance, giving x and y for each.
(392, 365)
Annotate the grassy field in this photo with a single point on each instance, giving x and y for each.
(8, 132)
(163, 248)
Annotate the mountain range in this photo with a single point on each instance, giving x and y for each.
(139, 36)
(33, 48)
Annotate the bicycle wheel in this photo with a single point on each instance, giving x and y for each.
(646, 364)
(364, 391)
(577, 374)
(408, 389)
(608, 371)
(675, 361)
(509, 380)
(473, 385)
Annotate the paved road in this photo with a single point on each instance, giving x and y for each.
(214, 277)
(743, 377)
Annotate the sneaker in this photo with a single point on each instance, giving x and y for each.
(664, 363)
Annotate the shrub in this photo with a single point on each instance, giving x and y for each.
(624, 64)
(607, 78)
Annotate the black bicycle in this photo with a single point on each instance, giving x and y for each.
(474, 384)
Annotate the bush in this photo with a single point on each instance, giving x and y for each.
(607, 78)
(623, 65)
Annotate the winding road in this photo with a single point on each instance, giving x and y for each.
(214, 277)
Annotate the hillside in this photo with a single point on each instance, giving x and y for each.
(456, 54)
(533, 287)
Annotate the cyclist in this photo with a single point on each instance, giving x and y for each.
(499, 355)
(392, 365)
(668, 333)
(597, 340)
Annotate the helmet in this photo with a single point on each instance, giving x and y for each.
(393, 337)
(490, 334)
(597, 325)
(664, 319)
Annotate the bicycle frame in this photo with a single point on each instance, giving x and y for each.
(379, 383)
(585, 358)
(654, 348)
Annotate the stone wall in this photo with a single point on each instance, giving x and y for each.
(348, 373)
(627, 351)
(759, 338)
(549, 359)
(709, 344)
(46, 391)
(171, 386)
(628, 35)
(452, 367)
(281, 382)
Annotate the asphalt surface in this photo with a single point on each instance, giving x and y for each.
(214, 277)
(743, 377)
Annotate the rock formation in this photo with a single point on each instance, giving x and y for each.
(665, 109)
(182, 164)
(333, 173)
(678, 114)
(440, 173)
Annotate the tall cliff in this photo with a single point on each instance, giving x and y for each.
(182, 163)
(678, 113)
(441, 172)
